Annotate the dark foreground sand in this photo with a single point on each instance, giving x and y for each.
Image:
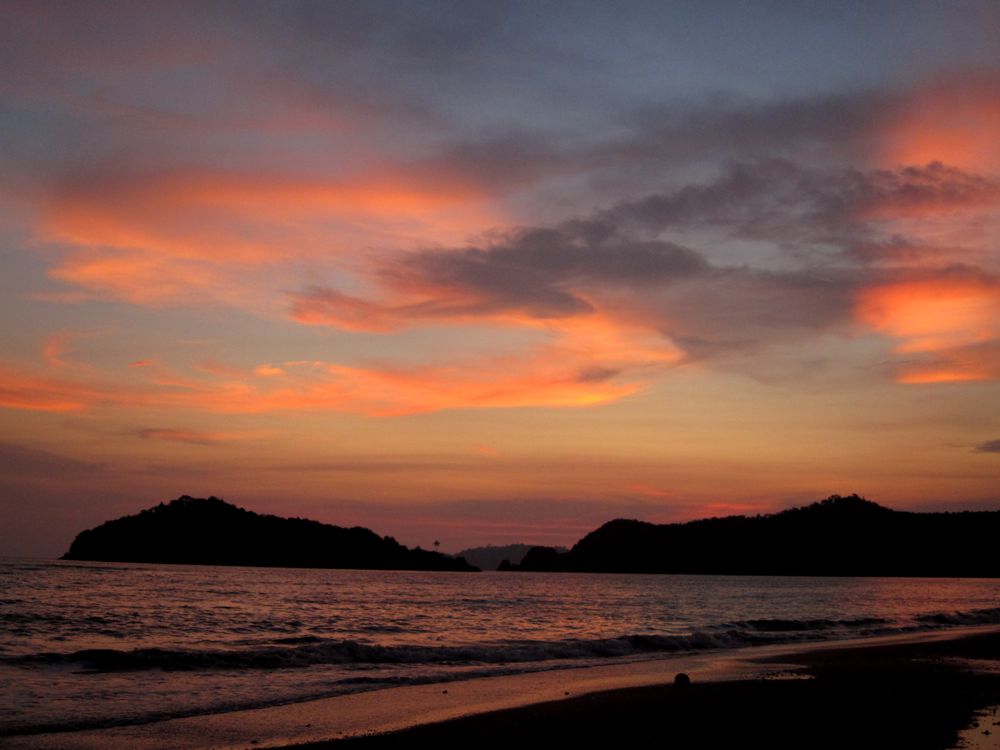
(908, 696)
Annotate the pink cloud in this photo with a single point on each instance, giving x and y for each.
(946, 326)
(564, 373)
(195, 235)
(57, 347)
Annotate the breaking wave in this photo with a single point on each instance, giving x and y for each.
(306, 651)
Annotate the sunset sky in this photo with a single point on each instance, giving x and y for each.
(496, 272)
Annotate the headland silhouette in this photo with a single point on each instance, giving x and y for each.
(213, 532)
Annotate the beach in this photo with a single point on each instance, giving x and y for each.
(907, 694)
(899, 695)
(917, 690)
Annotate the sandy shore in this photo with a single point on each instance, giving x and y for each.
(910, 691)
(934, 694)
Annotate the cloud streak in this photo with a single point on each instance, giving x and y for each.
(562, 374)
(190, 436)
(168, 237)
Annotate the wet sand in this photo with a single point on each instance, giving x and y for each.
(910, 691)
(908, 695)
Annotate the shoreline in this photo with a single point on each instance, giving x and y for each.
(912, 695)
(437, 711)
(920, 694)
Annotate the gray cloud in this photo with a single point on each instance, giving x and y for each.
(784, 203)
(535, 270)
(376, 466)
(177, 435)
(625, 261)
(661, 141)
(539, 272)
(755, 129)
(730, 311)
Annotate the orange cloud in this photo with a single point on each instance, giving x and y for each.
(564, 373)
(591, 357)
(268, 371)
(933, 314)
(143, 279)
(188, 214)
(954, 120)
(586, 363)
(328, 307)
(59, 350)
(582, 364)
(55, 348)
(953, 322)
(495, 384)
(946, 323)
(614, 343)
(956, 366)
(19, 390)
(151, 239)
(931, 190)
(413, 305)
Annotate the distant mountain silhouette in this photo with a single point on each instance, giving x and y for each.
(213, 532)
(843, 536)
(490, 557)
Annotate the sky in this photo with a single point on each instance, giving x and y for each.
(494, 272)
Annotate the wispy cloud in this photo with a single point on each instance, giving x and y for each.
(552, 376)
(193, 437)
(185, 237)
(54, 348)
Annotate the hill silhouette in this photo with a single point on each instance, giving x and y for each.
(492, 557)
(842, 536)
(213, 532)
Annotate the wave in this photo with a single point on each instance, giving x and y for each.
(351, 652)
(786, 626)
(309, 650)
(988, 616)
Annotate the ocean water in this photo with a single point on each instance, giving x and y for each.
(99, 644)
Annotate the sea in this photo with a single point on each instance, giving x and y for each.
(86, 645)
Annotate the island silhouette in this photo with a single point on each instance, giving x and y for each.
(839, 536)
(494, 557)
(210, 531)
